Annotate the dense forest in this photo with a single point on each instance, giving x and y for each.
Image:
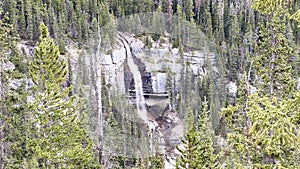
(62, 104)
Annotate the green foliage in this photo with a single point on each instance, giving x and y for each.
(157, 161)
(113, 144)
(76, 18)
(197, 150)
(271, 138)
(263, 132)
(206, 147)
(190, 10)
(12, 99)
(296, 16)
(272, 62)
(272, 126)
(189, 119)
(155, 37)
(268, 7)
(189, 153)
(235, 29)
(57, 137)
(62, 49)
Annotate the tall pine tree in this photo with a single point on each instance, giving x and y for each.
(57, 139)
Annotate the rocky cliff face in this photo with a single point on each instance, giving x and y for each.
(154, 64)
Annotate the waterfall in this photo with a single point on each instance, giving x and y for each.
(140, 100)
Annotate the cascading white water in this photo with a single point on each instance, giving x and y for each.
(140, 100)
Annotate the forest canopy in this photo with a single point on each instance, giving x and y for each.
(60, 108)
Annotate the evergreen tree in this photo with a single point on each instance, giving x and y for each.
(208, 26)
(10, 8)
(190, 10)
(57, 139)
(21, 21)
(207, 157)
(198, 150)
(12, 100)
(113, 143)
(271, 140)
(29, 20)
(3, 90)
(274, 51)
(189, 152)
(189, 119)
(157, 161)
(179, 10)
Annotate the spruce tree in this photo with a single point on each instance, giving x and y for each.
(3, 89)
(12, 100)
(157, 161)
(207, 158)
(274, 51)
(190, 10)
(22, 21)
(189, 152)
(29, 20)
(58, 138)
(198, 150)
